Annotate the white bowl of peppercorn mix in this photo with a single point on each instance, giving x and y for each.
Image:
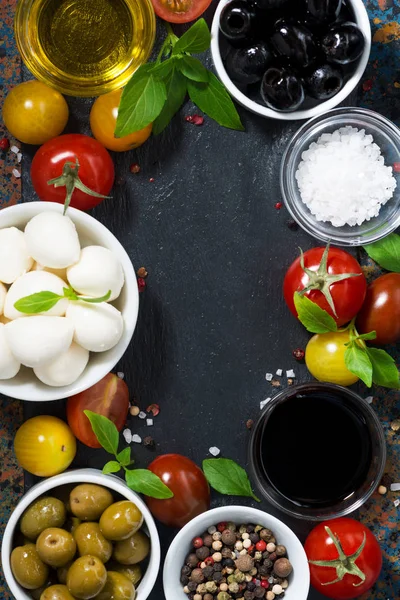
(236, 552)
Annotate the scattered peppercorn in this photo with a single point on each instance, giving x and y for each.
(141, 284)
(367, 85)
(299, 354)
(149, 442)
(195, 119)
(275, 383)
(249, 423)
(151, 180)
(292, 225)
(4, 144)
(396, 167)
(154, 409)
(142, 272)
(134, 411)
(134, 168)
(278, 205)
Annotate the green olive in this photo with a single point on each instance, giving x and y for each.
(118, 587)
(133, 550)
(56, 547)
(90, 540)
(132, 572)
(56, 592)
(86, 577)
(62, 573)
(51, 580)
(120, 520)
(43, 513)
(27, 567)
(88, 501)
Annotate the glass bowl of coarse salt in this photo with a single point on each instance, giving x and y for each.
(340, 176)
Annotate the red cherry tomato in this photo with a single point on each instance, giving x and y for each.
(347, 295)
(189, 486)
(96, 169)
(324, 544)
(381, 309)
(180, 11)
(109, 397)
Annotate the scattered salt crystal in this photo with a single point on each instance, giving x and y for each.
(269, 376)
(19, 157)
(120, 374)
(369, 399)
(142, 415)
(14, 149)
(396, 502)
(136, 438)
(264, 402)
(343, 179)
(214, 450)
(279, 372)
(149, 422)
(127, 433)
(290, 373)
(395, 487)
(16, 173)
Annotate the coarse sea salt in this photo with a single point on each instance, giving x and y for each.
(343, 179)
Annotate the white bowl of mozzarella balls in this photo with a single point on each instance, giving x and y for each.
(70, 346)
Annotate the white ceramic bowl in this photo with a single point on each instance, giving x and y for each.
(362, 20)
(299, 580)
(82, 476)
(26, 386)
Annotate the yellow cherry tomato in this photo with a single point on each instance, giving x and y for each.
(44, 446)
(34, 113)
(325, 358)
(103, 118)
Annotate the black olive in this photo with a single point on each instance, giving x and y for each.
(344, 43)
(324, 11)
(281, 90)
(237, 20)
(324, 82)
(294, 42)
(247, 65)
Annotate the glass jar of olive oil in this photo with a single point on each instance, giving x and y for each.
(84, 47)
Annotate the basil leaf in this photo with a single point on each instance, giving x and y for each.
(386, 252)
(141, 103)
(148, 483)
(194, 40)
(384, 370)
(69, 293)
(367, 336)
(214, 100)
(161, 70)
(124, 457)
(111, 467)
(192, 68)
(37, 303)
(105, 431)
(227, 477)
(96, 300)
(357, 361)
(314, 318)
(175, 84)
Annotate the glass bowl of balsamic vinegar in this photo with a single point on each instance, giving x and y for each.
(317, 451)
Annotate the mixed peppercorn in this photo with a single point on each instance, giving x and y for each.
(242, 562)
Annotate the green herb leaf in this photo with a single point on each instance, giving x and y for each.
(148, 483)
(111, 467)
(175, 84)
(124, 457)
(227, 477)
(37, 303)
(105, 431)
(214, 100)
(194, 40)
(386, 252)
(367, 336)
(69, 293)
(96, 300)
(162, 70)
(314, 318)
(141, 103)
(192, 68)
(384, 369)
(357, 361)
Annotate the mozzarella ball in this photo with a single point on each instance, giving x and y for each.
(65, 369)
(32, 283)
(97, 271)
(38, 340)
(52, 240)
(98, 327)
(62, 273)
(9, 365)
(15, 259)
(3, 293)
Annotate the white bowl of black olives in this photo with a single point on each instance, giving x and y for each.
(290, 59)
(81, 535)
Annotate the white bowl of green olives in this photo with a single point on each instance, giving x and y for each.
(290, 59)
(80, 535)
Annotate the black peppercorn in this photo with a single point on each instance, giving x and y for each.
(254, 538)
(228, 562)
(251, 586)
(207, 540)
(268, 563)
(248, 595)
(184, 579)
(217, 567)
(191, 595)
(197, 576)
(192, 585)
(202, 553)
(208, 572)
(217, 576)
(192, 560)
(250, 528)
(186, 570)
(259, 592)
(264, 571)
(226, 552)
(292, 225)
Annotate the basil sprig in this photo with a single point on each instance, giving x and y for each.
(158, 89)
(227, 477)
(44, 301)
(386, 252)
(371, 365)
(142, 481)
